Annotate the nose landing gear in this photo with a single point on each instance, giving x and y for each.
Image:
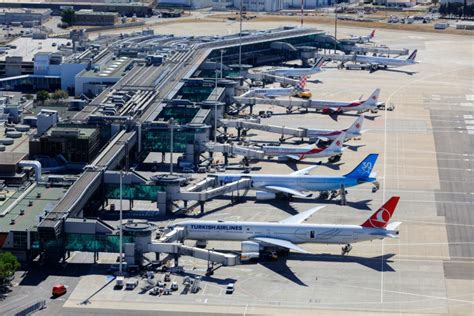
(346, 249)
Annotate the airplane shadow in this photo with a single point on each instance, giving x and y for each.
(354, 147)
(335, 116)
(280, 266)
(410, 73)
(285, 204)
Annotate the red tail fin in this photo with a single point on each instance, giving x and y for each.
(372, 35)
(380, 218)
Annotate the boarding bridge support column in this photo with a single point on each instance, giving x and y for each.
(343, 195)
(161, 203)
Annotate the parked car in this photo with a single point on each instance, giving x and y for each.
(58, 290)
(174, 286)
(230, 288)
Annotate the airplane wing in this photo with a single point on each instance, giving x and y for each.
(280, 243)
(286, 190)
(301, 217)
(295, 157)
(305, 171)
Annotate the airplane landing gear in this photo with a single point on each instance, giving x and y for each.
(346, 249)
(334, 159)
(376, 187)
(324, 195)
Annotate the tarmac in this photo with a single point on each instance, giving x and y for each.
(426, 148)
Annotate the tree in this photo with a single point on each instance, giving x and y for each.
(59, 95)
(68, 15)
(42, 96)
(8, 265)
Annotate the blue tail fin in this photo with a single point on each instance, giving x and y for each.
(364, 169)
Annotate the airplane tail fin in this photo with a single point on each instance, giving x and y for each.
(412, 55)
(301, 84)
(337, 143)
(374, 97)
(372, 34)
(364, 169)
(356, 126)
(380, 218)
(319, 63)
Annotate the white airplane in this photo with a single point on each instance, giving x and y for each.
(334, 149)
(328, 106)
(374, 63)
(299, 72)
(297, 90)
(299, 182)
(288, 233)
(352, 131)
(363, 39)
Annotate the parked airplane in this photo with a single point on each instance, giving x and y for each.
(298, 90)
(334, 149)
(352, 131)
(288, 233)
(374, 63)
(363, 39)
(296, 183)
(299, 72)
(328, 106)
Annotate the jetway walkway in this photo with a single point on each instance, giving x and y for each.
(202, 196)
(240, 124)
(231, 149)
(179, 249)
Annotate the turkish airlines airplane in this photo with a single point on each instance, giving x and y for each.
(288, 233)
(313, 151)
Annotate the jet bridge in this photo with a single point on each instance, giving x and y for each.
(170, 243)
(240, 124)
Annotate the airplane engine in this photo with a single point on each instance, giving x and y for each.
(250, 250)
(262, 195)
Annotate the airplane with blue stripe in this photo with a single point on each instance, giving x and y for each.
(268, 186)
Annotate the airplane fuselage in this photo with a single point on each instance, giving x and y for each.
(295, 72)
(300, 183)
(274, 92)
(314, 152)
(295, 233)
(382, 61)
(342, 106)
(313, 133)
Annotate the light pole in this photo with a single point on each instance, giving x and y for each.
(240, 36)
(335, 28)
(121, 228)
(222, 58)
(171, 122)
(215, 122)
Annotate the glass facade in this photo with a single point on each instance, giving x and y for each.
(158, 140)
(91, 243)
(181, 115)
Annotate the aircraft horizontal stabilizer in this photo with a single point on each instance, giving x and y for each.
(280, 243)
(287, 191)
(301, 217)
(393, 225)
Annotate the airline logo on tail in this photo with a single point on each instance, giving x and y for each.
(380, 218)
(301, 84)
(412, 55)
(372, 35)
